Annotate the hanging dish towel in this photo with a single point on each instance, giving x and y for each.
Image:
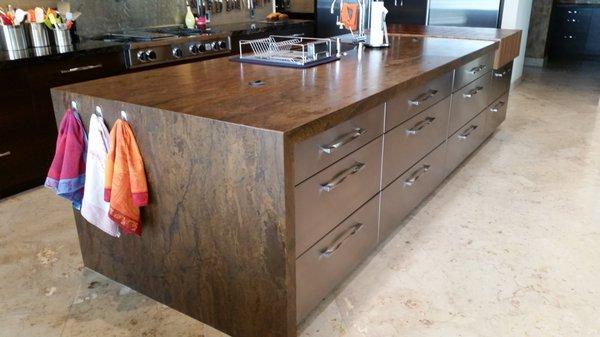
(93, 208)
(349, 16)
(125, 184)
(66, 175)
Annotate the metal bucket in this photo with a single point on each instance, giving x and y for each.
(14, 38)
(62, 37)
(38, 34)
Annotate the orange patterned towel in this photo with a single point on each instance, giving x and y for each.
(125, 184)
(349, 16)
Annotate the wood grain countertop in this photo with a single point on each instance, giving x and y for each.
(299, 103)
(509, 40)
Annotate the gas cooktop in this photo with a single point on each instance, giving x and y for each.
(157, 45)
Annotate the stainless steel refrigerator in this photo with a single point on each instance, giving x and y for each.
(465, 13)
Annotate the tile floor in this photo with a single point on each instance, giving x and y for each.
(509, 246)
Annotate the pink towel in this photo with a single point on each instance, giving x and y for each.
(67, 173)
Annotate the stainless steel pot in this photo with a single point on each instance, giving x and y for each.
(38, 34)
(14, 38)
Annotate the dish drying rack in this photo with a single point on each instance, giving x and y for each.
(287, 51)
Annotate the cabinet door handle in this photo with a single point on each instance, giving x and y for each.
(416, 175)
(422, 97)
(340, 177)
(84, 68)
(5, 154)
(473, 92)
(502, 74)
(343, 140)
(335, 245)
(477, 69)
(420, 126)
(497, 107)
(468, 132)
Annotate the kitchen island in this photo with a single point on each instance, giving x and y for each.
(269, 185)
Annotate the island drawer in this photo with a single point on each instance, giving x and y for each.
(416, 99)
(324, 149)
(470, 101)
(472, 71)
(496, 114)
(325, 199)
(501, 81)
(406, 192)
(465, 141)
(414, 139)
(327, 263)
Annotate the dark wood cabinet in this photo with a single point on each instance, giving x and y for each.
(575, 30)
(27, 125)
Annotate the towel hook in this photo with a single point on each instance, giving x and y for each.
(74, 105)
(124, 115)
(99, 111)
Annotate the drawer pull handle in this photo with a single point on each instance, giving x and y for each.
(477, 69)
(343, 140)
(473, 92)
(335, 245)
(502, 74)
(420, 126)
(340, 177)
(416, 175)
(5, 154)
(423, 97)
(468, 132)
(84, 68)
(497, 107)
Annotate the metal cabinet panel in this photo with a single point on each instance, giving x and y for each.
(469, 101)
(496, 114)
(472, 71)
(324, 149)
(465, 141)
(327, 263)
(327, 198)
(406, 192)
(501, 81)
(414, 139)
(414, 100)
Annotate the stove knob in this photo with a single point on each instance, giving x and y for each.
(208, 46)
(177, 53)
(194, 49)
(151, 55)
(223, 45)
(141, 55)
(215, 45)
(201, 48)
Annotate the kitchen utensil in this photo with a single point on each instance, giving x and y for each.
(20, 16)
(14, 37)
(40, 16)
(38, 35)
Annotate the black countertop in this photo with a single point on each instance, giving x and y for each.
(89, 47)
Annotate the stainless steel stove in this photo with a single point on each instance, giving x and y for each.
(152, 46)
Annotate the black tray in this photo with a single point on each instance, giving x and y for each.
(284, 64)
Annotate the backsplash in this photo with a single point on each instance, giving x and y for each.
(112, 15)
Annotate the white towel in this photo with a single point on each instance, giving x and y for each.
(93, 208)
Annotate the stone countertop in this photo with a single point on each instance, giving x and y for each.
(32, 56)
(294, 101)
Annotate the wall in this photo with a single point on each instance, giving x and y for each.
(516, 16)
(538, 32)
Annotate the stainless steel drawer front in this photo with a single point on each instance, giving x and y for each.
(325, 199)
(496, 114)
(414, 100)
(469, 101)
(318, 152)
(412, 140)
(328, 262)
(472, 71)
(465, 141)
(406, 192)
(501, 81)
